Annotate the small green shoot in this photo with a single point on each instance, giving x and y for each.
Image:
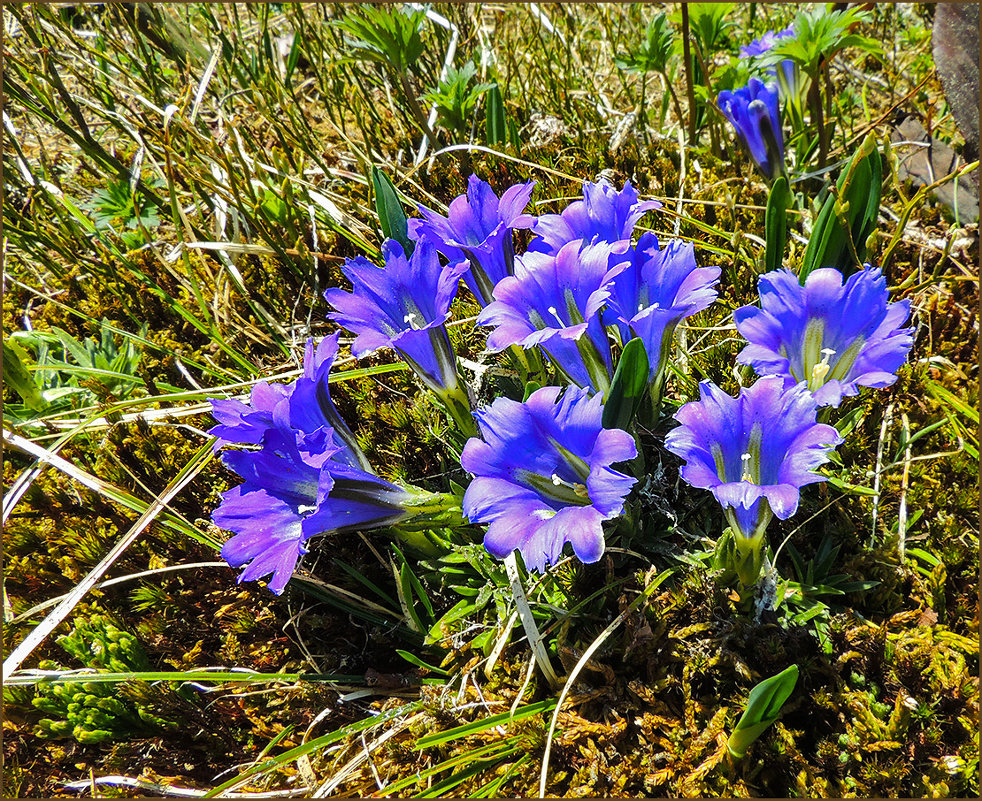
(763, 706)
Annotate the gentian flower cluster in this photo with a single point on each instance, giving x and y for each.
(307, 477)
(545, 469)
(543, 475)
(754, 453)
(833, 336)
(581, 274)
(478, 229)
(753, 111)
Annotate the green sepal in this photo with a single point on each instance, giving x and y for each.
(391, 216)
(763, 706)
(530, 387)
(628, 387)
(776, 224)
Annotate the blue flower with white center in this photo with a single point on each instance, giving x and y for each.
(603, 215)
(404, 306)
(554, 301)
(543, 475)
(296, 488)
(656, 290)
(832, 335)
(478, 228)
(754, 453)
(754, 112)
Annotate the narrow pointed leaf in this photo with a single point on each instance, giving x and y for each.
(17, 376)
(495, 125)
(391, 216)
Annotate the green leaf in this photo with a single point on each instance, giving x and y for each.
(776, 224)
(628, 387)
(16, 374)
(415, 660)
(494, 122)
(391, 216)
(763, 706)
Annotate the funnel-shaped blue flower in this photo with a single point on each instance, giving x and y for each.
(304, 405)
(657, 290)
(554, 301)
(604, 215)
(478, 228)
(403, 306)
(753, 452)
(543, 475)
(834, 336)
(294, 489)
(754, 112)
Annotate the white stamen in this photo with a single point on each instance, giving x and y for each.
(305, 509)
(411, 319)
(578, 489)
(554, 313)
(820, 370)
(746, 468)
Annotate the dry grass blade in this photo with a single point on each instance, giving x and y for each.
(60, 612)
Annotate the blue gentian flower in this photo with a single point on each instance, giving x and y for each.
(403, 306)
(554, 301)
(304, 405)
(604, 215)
(833, 336)
(543, 475)
(754, 112)
(295, 487)
(655, 292)
(763, 45)
(753, 452)
(478, 229)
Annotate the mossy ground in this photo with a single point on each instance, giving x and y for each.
(887, 701)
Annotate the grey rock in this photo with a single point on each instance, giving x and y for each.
(955, 41)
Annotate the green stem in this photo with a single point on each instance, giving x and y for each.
(689, 88)
(675, 99)
(818, 117)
